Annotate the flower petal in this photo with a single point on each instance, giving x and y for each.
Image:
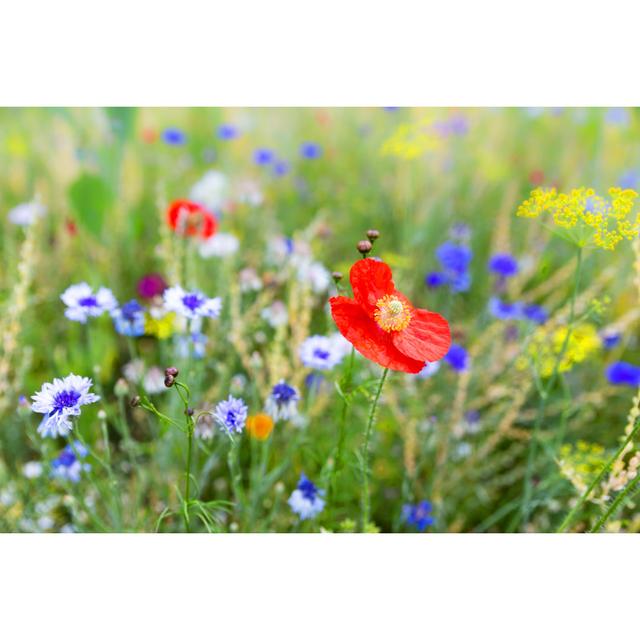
(370, 280)
(427, 337)
(367, 337)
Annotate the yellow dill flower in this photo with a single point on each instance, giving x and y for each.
(584, 217)
(410, 141)
(580, 463)
(159, 324)
(545, 347)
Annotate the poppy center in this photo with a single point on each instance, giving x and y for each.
(392, 314)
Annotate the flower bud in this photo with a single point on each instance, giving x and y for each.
(364, 246)
(135, 401)
(189, 412)
(337, 276)
(169, 381)
(171, 371)
(373, 235)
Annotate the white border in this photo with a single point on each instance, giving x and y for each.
(319, 586)
(304, 53)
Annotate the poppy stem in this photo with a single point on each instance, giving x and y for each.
(364, 457)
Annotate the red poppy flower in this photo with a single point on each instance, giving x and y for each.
(191, 219)
(384, 326)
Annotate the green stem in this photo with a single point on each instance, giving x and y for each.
(544, 398)
(615, 505)
(187, 482)
(342, 429)
(364, 459)
(597, 480)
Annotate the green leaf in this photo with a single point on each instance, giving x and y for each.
(90, 198)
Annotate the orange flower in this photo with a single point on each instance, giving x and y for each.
(260, 426)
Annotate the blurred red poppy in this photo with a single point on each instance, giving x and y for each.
(384, 326)
(191, 219)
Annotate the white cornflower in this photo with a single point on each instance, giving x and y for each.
(191, 304)
(61, 400)
(82, 303)
(220, 245)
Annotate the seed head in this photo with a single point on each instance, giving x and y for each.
(364, 247)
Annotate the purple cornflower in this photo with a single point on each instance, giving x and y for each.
(435, 279)
(231, 414)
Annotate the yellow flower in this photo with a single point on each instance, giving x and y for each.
(580, 463)
(585, 217)
(411, 140)
(259, 426)
(545, 347)
(159, 324)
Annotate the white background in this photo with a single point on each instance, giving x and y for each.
(318, 53)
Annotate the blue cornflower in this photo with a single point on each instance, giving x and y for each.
(263, 156)
(454, 257)
(391, 109)
(618, 116)
(504, 265)
(282, 401)
(191, 304)
(306, 500)
(83, 303)
(435, 279)
(455, 260)
(129, 319)
(418, 515)
(280, 168)
(535, 313)
(457, 358)
(68, 465)
(174, 136)
(623, 373)
(231, 414)
(228, 132)
(61, 400)
(504, 310)
(610, 339)
(310, 150)
(193, 343)
(322, 352)
(429, 369)
(460, 231)
(629, 180)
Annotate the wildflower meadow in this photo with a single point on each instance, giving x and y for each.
(339, 320)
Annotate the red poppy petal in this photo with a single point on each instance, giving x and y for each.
(427, 337)
(367, 337)
(370, 280)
